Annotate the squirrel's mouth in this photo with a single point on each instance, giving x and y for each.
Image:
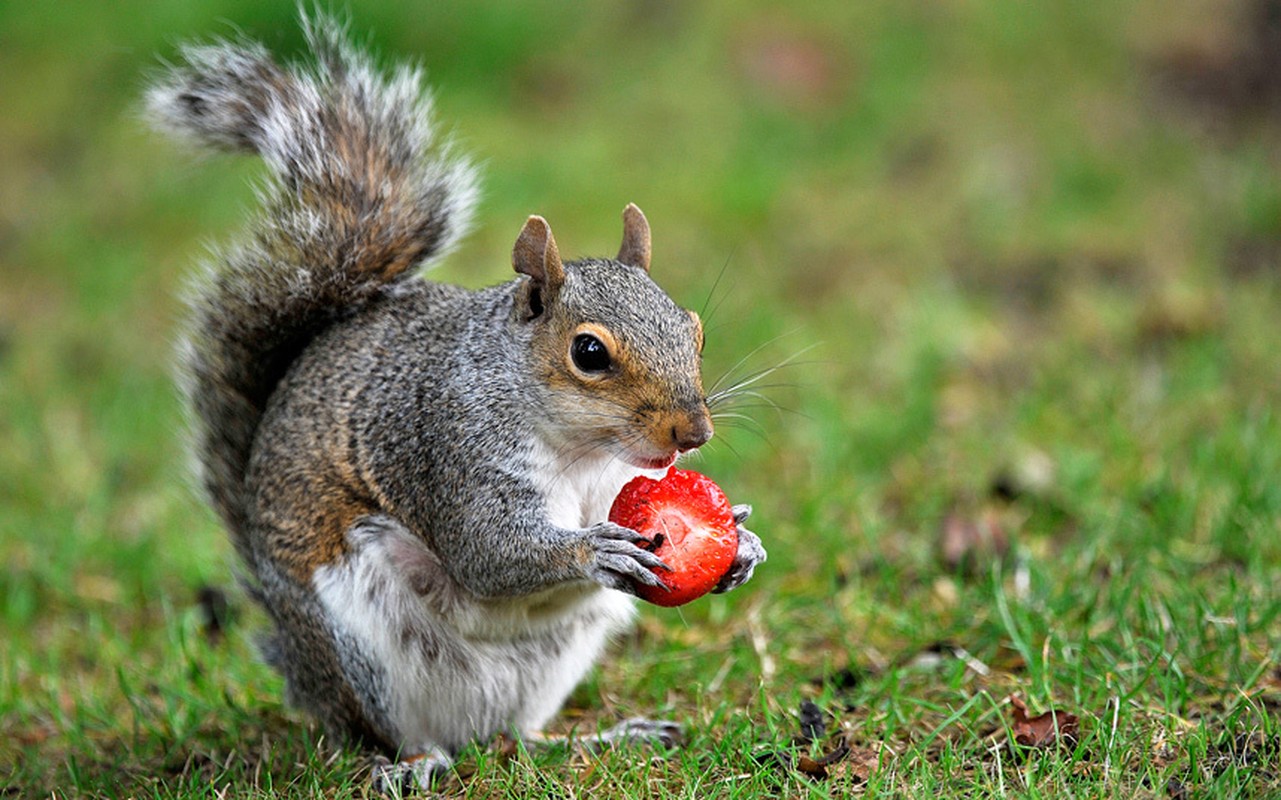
(651, 463)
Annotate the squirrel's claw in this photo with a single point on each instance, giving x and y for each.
(750, 553)
(620, 561)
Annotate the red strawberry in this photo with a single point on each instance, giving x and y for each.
(690, 521)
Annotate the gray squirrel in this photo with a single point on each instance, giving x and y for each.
(417, 476)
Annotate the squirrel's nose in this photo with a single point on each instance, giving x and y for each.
(692, 431)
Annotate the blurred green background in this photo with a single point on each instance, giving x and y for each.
(1023, 258)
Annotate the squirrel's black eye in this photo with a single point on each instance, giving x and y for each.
(589, 353)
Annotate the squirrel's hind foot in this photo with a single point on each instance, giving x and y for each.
(660, 733)
(411, 775)
(637, 731)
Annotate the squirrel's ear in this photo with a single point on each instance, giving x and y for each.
(635, 249)
(535, 255)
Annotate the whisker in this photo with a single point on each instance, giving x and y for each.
(579, 452)
(731, 415)
(724, 443)
(729, 372)
(703, 312)
(775, 407)
(572, 453)
(744, 423)
(752, 400)
(718, 395)
(691, 455)
(753, 394)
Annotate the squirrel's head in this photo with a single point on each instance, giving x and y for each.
(619, 358)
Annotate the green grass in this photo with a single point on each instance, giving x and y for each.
(1032, 286)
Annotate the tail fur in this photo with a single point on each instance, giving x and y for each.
(357, 197)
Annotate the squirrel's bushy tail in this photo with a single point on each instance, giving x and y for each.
(357, 197)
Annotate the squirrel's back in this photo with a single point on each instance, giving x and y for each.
(357, 197)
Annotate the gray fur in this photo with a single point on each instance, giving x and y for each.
(414, 473)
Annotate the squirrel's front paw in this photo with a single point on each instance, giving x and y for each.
(620, 560)
(750, 553)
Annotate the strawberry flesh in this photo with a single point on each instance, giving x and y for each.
(691, 525)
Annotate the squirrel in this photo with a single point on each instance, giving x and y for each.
(417, 476)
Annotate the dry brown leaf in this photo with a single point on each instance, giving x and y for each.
(506, 747)
(811, 768)
(1044, 730)
(861, 764)
(818, 768)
